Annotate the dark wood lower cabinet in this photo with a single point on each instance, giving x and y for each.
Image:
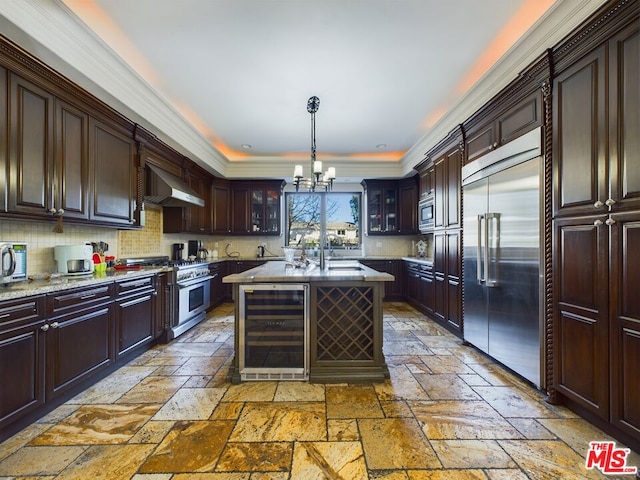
(219, 291)
(52, 346)
(624, 281)
(22, 351)
(78, 347)
(134, 313)
(597, 317)
(392, 290)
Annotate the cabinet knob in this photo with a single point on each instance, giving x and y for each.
(60, 211)
(597, 223)
(598, 204)
(610, 202)
(495, 145)
(52, 211)
(55, 325)
(609, 221)
(44, 327)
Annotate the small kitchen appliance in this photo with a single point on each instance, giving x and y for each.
(177, 251)
(194, 247)
(13, 262)
(74, 259)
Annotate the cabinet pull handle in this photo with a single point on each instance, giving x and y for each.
(609, 221)
(597, 223)
(598, 204)
(85, 297)
(5, 315)
(610, 202)
(44, 327)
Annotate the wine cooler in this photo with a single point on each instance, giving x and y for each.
(273, 332)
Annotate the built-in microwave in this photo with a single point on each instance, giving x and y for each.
(426, 220)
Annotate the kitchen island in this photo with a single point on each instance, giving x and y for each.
(325, 327)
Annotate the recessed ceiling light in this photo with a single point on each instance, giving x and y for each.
(246, 146)
(380, 146)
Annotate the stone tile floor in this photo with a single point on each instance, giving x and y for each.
(448, 412)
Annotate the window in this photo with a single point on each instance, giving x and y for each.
(343, 219)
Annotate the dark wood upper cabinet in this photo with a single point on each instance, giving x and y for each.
(4, 114)
(579, 123)
(72, 161)
(198, 219)
(113, 178)
(440, 176)
(241, 209)
(408, 206)
(31, 149)
(624, 118)
(221, 200)
(255, 207)
(391, 206)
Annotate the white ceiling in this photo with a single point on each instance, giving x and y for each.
(390, 74)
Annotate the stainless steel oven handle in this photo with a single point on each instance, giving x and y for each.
(195, 281)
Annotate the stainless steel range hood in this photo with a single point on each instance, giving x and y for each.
(168, 190)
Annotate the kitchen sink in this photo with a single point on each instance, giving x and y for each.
(345, 266)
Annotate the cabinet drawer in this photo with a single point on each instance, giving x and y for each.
(134, 286)
(79, 298)
(21, 309)
(426, 271)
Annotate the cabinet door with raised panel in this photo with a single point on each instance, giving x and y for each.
(72, 161)
(114, 176)
(579, 136)
(221, 199)
(79, 345)
(31, 176)
(624, 118)
(4, 114)
(22, 350)
(624, 280)
(581, 317)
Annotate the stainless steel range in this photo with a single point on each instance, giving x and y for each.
(189, 287)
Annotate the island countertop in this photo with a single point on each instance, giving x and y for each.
(336, 270)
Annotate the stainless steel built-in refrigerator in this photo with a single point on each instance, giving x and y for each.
(502, 256)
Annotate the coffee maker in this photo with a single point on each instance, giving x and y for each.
(177, 252)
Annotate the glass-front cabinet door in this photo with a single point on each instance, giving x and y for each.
(382, 210)
(272, 211)
(257, 210)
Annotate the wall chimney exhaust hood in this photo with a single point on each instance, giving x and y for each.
(168, 190)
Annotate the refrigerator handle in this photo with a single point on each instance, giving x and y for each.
(493, 242)
(480, 252)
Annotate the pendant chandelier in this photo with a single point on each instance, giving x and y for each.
(317, 178)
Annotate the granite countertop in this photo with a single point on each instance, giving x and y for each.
(423, 260)
(337, 270)
(57, 282)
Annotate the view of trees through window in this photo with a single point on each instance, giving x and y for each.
(343, 219)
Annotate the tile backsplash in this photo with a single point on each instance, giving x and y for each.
(150, 240)
(40, 239)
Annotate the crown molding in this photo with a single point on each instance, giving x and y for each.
(49, 31)
(561, 19)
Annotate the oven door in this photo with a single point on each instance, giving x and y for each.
(194, 298)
